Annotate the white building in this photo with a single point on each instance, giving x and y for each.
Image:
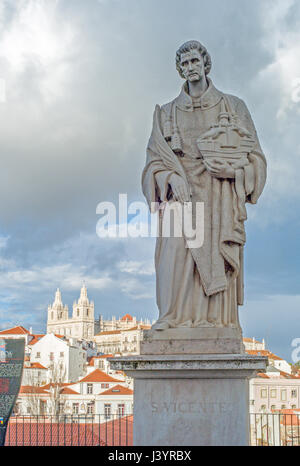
(122, 323)
(81, 325)
(277, 388)
(65, 358)
(32, 401)
(273, 391)
(124, 342)
(97, 394)
(34, 374)
(252, 344)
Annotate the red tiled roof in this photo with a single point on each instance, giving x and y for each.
(49, 385)
(19, 330)
(250, 340)
(286, 375)
(97, 376)
(103, 356)
(262, 375)
(35, 339)
(291, 417)
(264, 353)
(127, 317)
(141, 327)
(117, 390)
(36, 365)
(32, 389)
(30, 433)
(118, 432)
(109, 332)
(68, 391)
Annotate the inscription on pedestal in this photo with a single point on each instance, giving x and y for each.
(191, 407)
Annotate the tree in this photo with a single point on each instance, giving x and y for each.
(57, 375)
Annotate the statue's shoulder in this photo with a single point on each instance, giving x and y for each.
(167, 108)
(237, 104)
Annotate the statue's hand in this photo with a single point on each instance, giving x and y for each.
(179, 188)
(219, 168)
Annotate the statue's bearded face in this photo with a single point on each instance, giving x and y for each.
(192, 65)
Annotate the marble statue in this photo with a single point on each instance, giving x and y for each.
(203, 148)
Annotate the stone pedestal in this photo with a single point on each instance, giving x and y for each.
(191, 399)
(182, 340)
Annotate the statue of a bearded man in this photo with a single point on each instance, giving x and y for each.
(203, 148)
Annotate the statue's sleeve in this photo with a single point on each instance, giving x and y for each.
(256, 171)
(155, 177)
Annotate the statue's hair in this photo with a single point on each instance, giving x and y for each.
(187, 47)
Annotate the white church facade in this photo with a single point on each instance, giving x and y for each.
(81, 325)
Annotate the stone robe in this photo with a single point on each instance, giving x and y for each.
(201, 287)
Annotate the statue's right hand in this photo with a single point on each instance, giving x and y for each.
(179, 188)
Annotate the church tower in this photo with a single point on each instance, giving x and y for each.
(57, 313)
(83, 316)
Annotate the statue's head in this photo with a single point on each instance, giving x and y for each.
(193, 62)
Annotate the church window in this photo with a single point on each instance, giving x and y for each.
(52, 315)
(77, 312)
(38, 355)
(87, 312)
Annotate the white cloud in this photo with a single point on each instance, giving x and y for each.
(136, 290)
(137, 268)
(37, 35)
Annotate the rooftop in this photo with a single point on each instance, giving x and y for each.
(97, 376)
(117, 390)
(19, 330)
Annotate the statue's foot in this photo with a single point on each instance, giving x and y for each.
(160, 326)
(218, 325)
(205, 323)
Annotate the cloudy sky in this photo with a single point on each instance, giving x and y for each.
(79, 80)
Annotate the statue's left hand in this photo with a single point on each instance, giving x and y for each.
(219, 168)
